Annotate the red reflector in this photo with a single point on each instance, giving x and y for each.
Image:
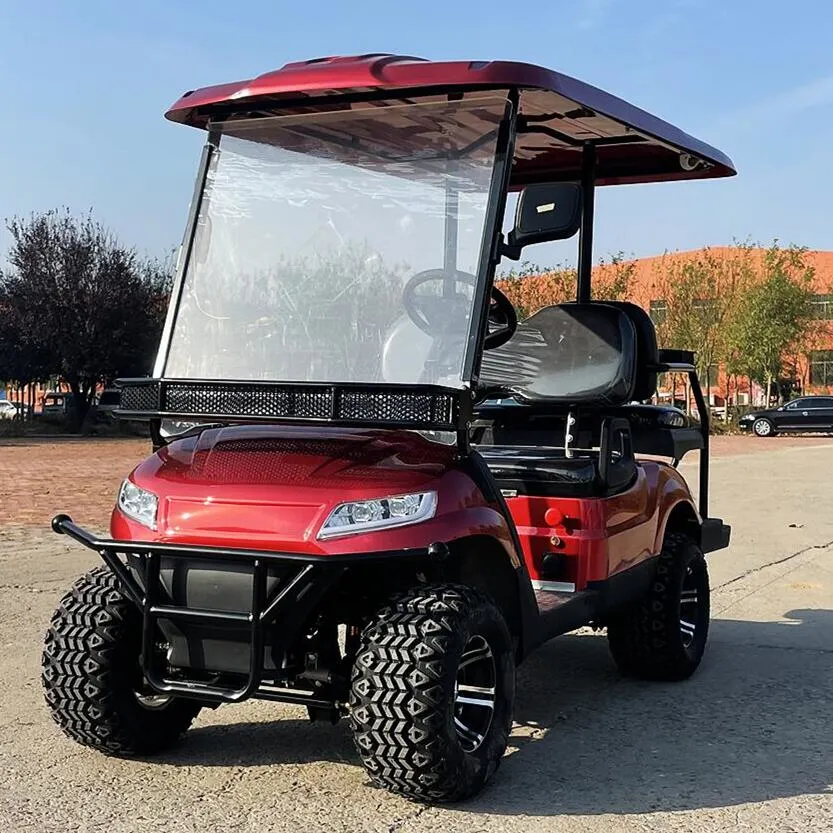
(553, 517)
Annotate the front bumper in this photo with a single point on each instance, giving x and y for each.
(286, 591)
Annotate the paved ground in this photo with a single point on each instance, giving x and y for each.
(745, 745)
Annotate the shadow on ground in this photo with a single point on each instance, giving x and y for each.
(752, 725)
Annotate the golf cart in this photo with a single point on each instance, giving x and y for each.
(374, 491)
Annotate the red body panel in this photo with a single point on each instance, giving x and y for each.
(272, 487)
(600, 536)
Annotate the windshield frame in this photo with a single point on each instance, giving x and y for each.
(486, 263)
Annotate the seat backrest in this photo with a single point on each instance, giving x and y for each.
(647, 351)
(568, 354)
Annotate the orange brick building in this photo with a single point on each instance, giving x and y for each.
(810, 370)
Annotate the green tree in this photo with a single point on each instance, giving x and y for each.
(772, 316)
(701, 295)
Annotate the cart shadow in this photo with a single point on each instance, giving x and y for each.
(751, 725)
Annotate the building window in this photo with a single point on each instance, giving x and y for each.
(821, 307)
(703, 305)
(658, 311)
(821, 367)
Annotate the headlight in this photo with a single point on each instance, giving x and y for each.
(380, 513)
(138, 504)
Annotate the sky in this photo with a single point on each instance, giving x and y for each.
(85, 85)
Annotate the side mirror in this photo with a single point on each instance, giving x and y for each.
(546, 212)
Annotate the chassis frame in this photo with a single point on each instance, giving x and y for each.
(307, 579)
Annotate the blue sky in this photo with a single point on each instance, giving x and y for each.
(85, 85)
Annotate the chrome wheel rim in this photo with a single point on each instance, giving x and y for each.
(762, 428)
(689, 610)
(475, 693)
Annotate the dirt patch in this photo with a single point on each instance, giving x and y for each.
(80, 477)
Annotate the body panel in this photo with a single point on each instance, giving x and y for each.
(272, 487)
(600, 537)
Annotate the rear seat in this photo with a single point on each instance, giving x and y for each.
(545, 471)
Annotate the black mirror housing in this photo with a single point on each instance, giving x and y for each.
(546, 212)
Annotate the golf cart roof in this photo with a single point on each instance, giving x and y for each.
(558, 114)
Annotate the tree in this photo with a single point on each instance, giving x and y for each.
(701, 295)
(23, 360)
(85, 307)
(773, 315)
(532, 287)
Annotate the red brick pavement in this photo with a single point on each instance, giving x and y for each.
(39, 478)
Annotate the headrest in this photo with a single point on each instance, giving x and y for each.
(647, 352)
(570, 354)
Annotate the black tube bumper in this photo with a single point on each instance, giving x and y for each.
(714, 535)
(280, 606)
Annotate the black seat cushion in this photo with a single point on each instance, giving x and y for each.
(568, 354)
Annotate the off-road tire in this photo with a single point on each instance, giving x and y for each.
(647, 640)
(403, 689)
(91, 674)
(762, 427)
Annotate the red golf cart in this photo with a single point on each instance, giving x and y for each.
(373, 490)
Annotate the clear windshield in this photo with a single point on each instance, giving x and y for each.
(339, 247)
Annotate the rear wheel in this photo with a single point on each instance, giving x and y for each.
(763, 427)
(663, 636)
(432, 693)
(92, 678)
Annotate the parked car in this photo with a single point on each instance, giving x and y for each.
(57, 404)
(8, 410)
(810, 413)
(107, 403)
(54, 403)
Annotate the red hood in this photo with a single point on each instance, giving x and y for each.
(273, 486)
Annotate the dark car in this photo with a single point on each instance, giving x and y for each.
(810, 413)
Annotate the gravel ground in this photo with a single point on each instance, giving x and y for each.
(747, 744)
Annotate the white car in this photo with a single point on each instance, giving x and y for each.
(8, 410)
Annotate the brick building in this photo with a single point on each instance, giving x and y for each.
(809, 371)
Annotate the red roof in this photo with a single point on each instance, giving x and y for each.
(560, 113)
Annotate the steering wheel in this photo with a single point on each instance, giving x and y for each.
(434, 314)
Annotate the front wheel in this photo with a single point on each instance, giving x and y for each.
(763, 428)
(92, 679)
(663, 636)
(432, 693)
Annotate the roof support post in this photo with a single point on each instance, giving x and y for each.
(585, 240)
